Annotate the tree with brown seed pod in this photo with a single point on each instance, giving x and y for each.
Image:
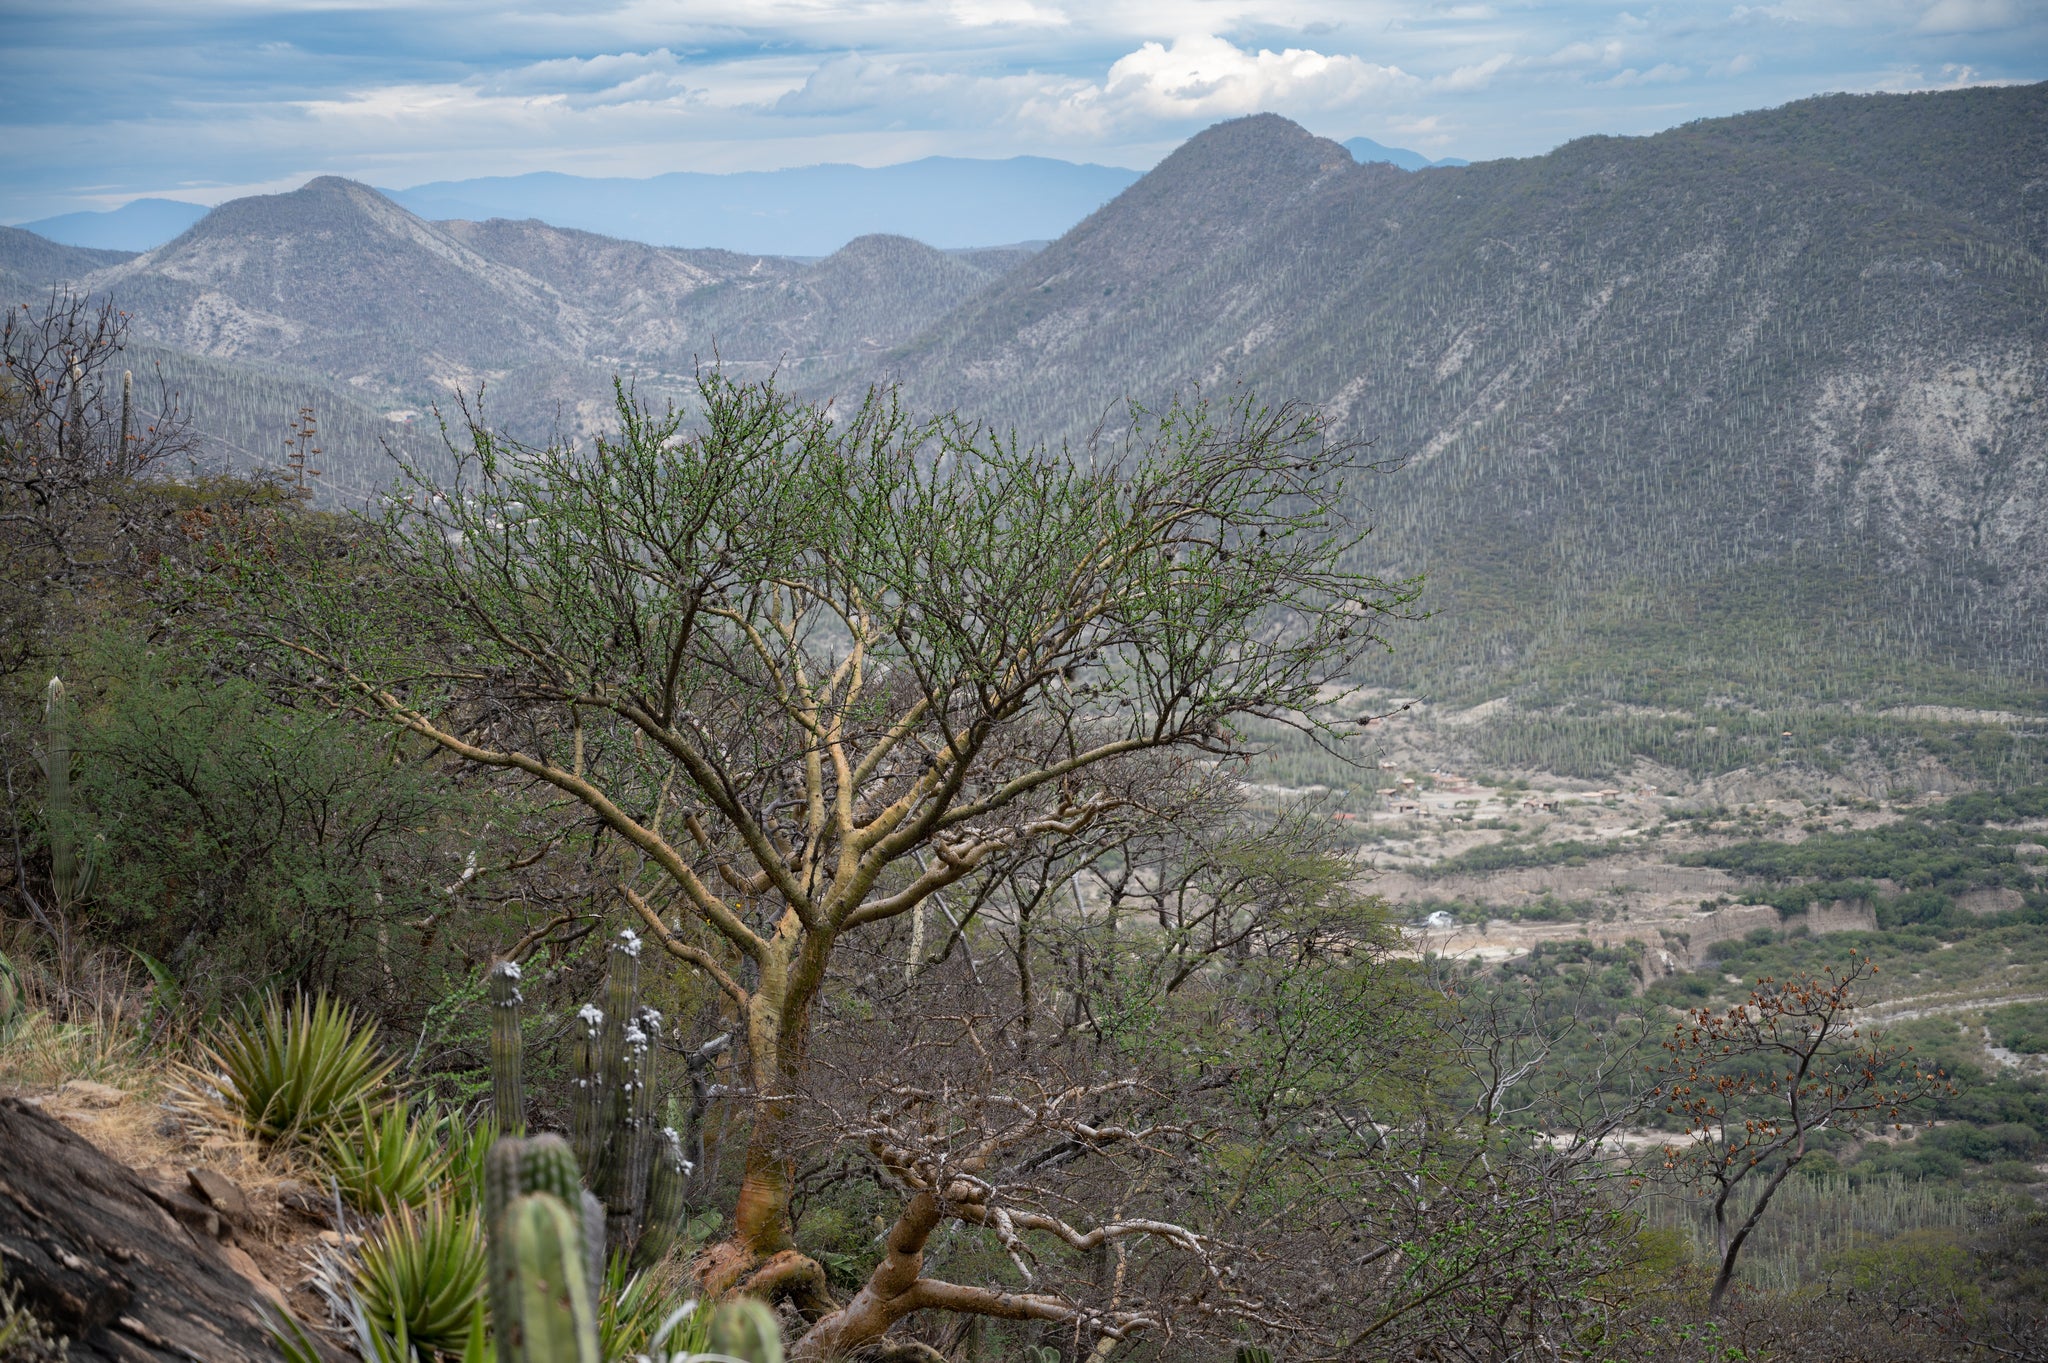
(1755, 1083)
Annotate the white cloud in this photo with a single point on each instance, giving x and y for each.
(1195, 78)
(1203, 76)
(1007, 13)
(1477, 76)
(1968, 16)
(1663, 73)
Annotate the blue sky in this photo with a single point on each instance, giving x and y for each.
(207, 99)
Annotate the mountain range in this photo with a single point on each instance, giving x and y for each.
(1802, 353)
(1756, 407)
(137, 225)
(949, 202)
(335, 281)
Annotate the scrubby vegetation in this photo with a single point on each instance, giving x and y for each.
(843, 833)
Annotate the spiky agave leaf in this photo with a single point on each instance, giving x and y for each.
(387, 1159)
(421, 1275)
(291, 1072)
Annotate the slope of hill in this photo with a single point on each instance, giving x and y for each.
(337, 281)
(1748, 409)
(948, 202)
(30, 262)
(139, 225)
(244, 413)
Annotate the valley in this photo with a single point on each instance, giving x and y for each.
(1699, 487)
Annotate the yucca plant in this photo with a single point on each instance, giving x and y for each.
(467, 1146)
(290, 1072)
(638, 1313)
(420, 1276)
(390, 1158)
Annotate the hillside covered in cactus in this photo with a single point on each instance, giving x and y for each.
(1675, 418)
(1759, 397)
(1343, 765)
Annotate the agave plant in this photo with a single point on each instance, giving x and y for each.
(291, 1072)
(638, 1313)
(420, 1276)
(387, 1159)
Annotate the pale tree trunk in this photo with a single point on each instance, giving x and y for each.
(760, 1257)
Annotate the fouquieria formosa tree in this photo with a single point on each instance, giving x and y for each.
(1757, 1082)
(810, 669)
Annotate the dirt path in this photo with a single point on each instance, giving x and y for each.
(1908, 1010)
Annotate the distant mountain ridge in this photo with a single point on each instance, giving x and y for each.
(1797, 357)
(335, 283)
(1366, 152)
(138, 225)
(947, 202)
(953, 203)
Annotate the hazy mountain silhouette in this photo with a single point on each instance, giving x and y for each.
(948, 202)
(1366, 151)
(138, 225)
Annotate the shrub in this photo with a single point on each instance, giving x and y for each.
(388, 1159)
(634, 1308)
(420, 1277)
(290, 1073)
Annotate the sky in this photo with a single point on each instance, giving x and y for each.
(207, 100)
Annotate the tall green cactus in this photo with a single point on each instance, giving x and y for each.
(666, 1184)
(636, 1169)
(619, 1066)
(508, 1068)
(629, 1150)
(542, 1289)
(73, 867)
(516, 1171)
(586, 1104)
(546, 1310)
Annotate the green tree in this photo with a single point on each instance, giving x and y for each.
(810, 669)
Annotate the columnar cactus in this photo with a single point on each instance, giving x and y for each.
(586, 1112)
(666, 1184)
(630, 1148)
(545, 1310)
(72, 865)
(542, 1291)
(746, 1329)
(620, 1067)
(508, 1083)
(637, 1169)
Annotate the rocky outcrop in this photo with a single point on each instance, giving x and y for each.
(96, 1255)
